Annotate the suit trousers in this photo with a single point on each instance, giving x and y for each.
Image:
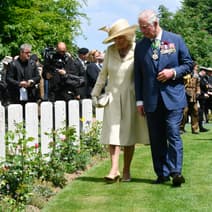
(165, 140)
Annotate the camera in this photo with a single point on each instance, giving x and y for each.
(49, 53)
(54, 60)
(59, 63)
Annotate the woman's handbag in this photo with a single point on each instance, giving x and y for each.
(102, 100)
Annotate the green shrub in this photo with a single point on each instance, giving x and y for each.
(25, 165)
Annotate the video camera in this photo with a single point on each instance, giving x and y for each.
(49, 53)
(56, 62)
(52, 58)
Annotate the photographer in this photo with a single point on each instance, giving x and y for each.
(59, 70)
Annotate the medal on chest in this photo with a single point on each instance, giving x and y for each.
(155, 55)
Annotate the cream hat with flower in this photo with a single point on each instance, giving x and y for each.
(120, 27)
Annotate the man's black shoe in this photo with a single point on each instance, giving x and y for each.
(203, 130)
(162, 179)
(178, 179)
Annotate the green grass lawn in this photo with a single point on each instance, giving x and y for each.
(90, 193)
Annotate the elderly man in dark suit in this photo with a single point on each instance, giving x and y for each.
(161, 61)
(23, 77)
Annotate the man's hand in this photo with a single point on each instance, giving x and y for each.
(166, 74)
(140, 110)
(30, 83)
(48, 76)
(61, 71)
(24, 84)
(77, 97)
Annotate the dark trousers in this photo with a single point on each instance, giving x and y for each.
(165, 140)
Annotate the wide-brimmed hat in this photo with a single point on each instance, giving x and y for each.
(120, 27)
(208, 69)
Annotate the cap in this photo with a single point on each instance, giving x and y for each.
(83, 51)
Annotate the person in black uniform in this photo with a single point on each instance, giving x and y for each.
(203, 97)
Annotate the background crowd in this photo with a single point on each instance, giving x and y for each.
(53, 78)
(56, 76)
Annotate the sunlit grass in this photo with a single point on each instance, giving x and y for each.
(90, 193)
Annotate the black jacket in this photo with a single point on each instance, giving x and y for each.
(19, 71)
(81, 71)
(58, 89)
(92, 74)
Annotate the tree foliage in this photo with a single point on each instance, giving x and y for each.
(194, 22)
(39, 23)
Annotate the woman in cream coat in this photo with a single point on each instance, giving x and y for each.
(122, 125)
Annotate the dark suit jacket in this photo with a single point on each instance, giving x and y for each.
(81, 71)
(92, 74)
(147, 87)
(19, 71)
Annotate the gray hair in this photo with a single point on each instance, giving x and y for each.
(25, 46)
(149, 15)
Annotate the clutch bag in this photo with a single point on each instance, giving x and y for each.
(103, 100)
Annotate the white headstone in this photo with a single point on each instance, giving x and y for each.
(31, 122)
(2, 133)
(15, 116)
(46, 125)
(60, 114)
(73, 116)
(87, 114)
(99, 114)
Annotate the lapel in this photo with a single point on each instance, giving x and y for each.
(99, 67)
(163, 59)
(19, 68)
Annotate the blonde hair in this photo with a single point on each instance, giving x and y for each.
(92, 55)
(130, 37)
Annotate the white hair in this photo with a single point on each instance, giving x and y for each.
(25, 46)
(149, 15)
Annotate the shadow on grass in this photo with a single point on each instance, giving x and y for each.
(91, 179)
(100, 180)
(203, 139)
(142, 180)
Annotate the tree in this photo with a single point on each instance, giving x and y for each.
(194, 22)
(40, 23)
